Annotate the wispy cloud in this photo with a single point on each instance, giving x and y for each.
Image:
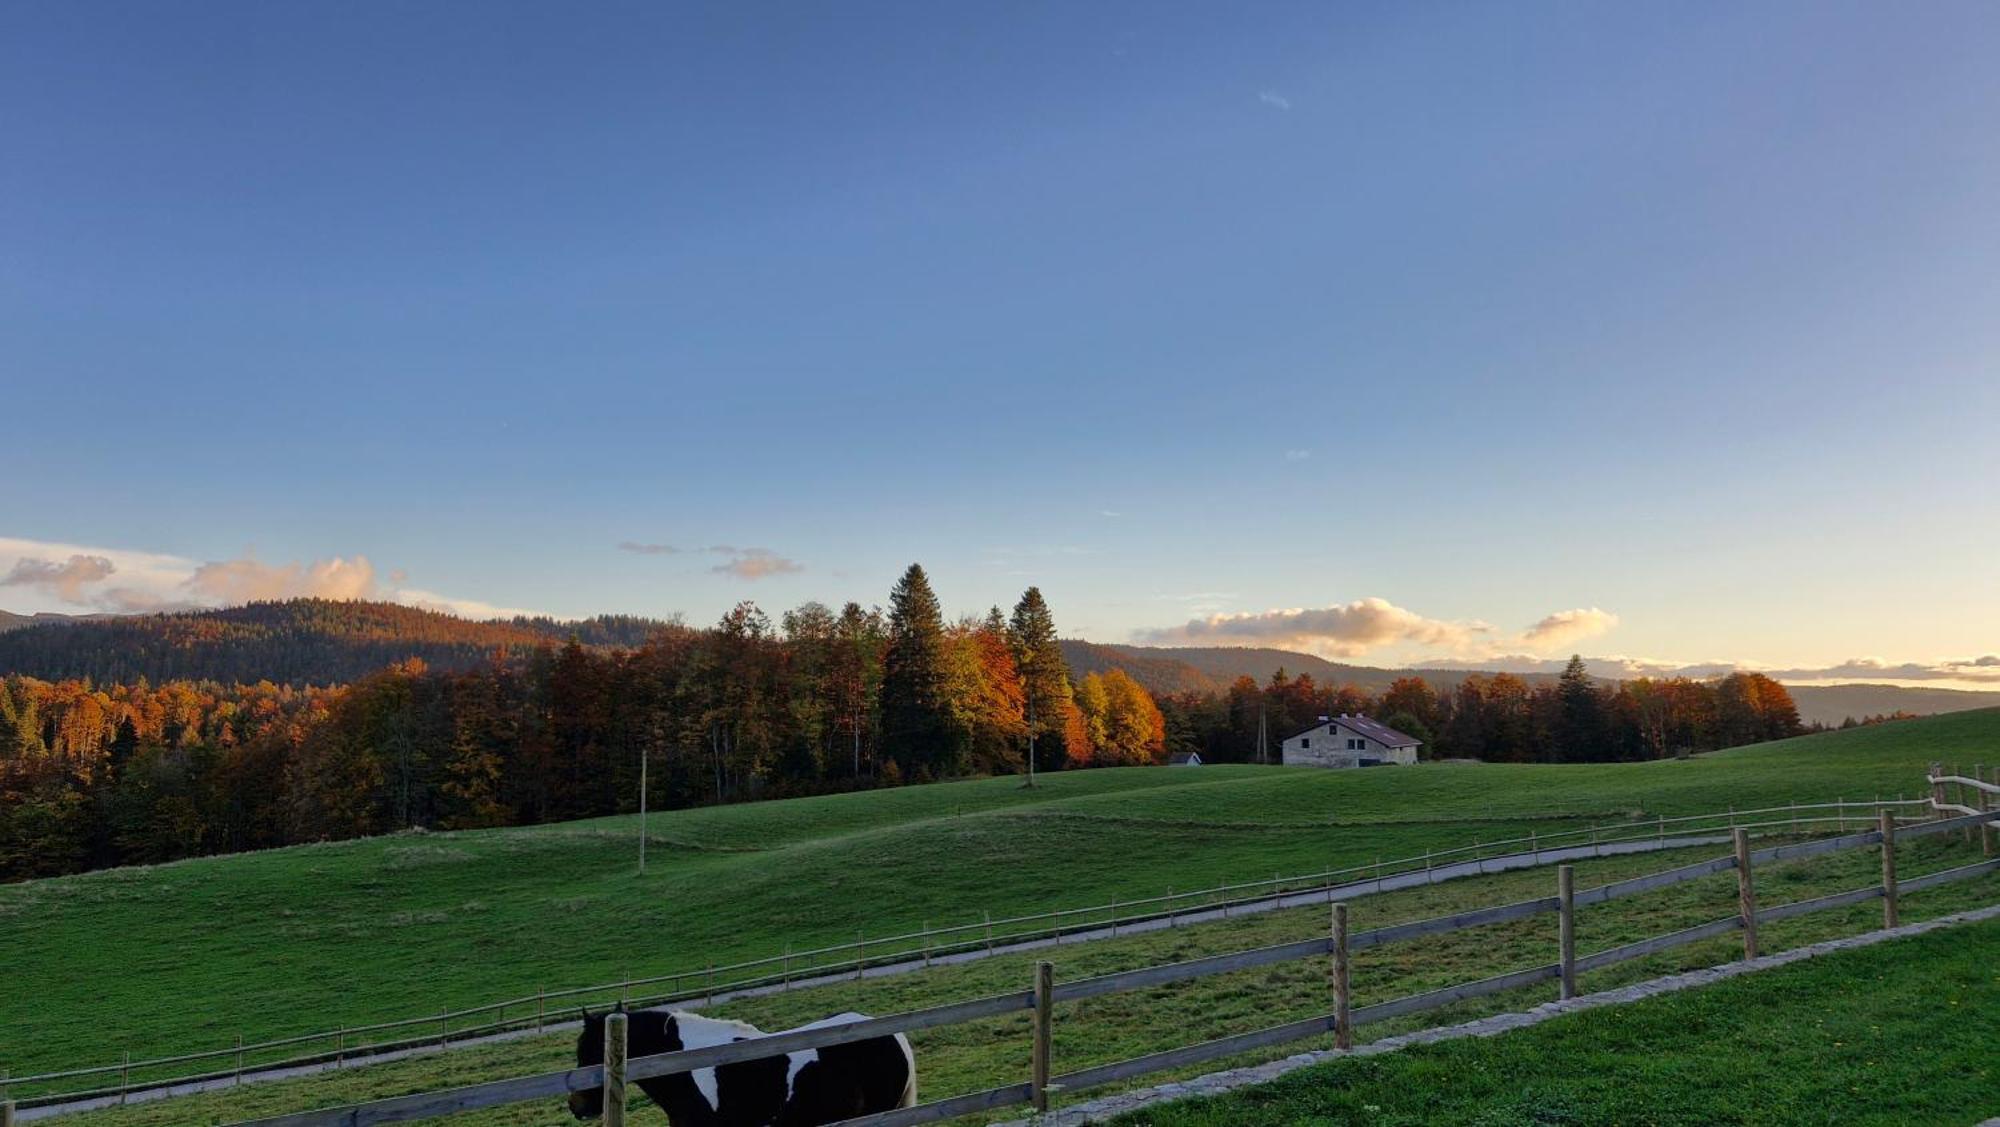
(1297, 455)
(1274, 99)
(126, 582)
(757, 563)
(743, 563)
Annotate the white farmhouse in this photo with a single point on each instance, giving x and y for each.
(1348, 741)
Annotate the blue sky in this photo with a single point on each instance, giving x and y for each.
(1683, 314)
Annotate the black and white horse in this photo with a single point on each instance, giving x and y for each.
(802, 1089)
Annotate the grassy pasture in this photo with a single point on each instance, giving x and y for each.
(982, 1054)
(1897, 1034)
(189, 955)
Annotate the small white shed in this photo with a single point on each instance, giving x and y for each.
(1348, 741)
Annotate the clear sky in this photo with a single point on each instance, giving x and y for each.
(1427, 321)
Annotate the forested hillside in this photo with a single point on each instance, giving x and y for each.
(297, 642)
(101, 773)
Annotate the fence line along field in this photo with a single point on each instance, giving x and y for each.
(306, 938)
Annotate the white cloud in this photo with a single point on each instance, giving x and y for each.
(1274, 99)
(65, 580)
(56, 576)
(247, 579)
(1347, 630)
(463, 608)
(1297, 455)
(1566, 626)
(1353, 629)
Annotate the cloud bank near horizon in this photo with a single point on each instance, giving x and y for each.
(120, 581)
(1983, 670)
(1349, 630)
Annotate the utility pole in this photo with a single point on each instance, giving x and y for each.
(1263, 736)
(645, 756)
(1031, 732)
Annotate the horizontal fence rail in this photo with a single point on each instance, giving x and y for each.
(357, 1043)
(1338, 944)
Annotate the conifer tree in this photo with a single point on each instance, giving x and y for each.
(1582, 716)
(916, 725)
(1044, 675)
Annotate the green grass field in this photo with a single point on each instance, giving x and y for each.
(982, 1054)
(1898, 1034)
(189, 955)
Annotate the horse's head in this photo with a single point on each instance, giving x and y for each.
(647, 1033)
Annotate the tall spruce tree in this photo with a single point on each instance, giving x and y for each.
(916, 724)
(1044, 675)
(1582, 733)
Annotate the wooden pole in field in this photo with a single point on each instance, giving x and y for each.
(1937, 791)
(1566, 928)
(1888, 827)
(6, 1113)
(1343, 990)
(614, 1070)
(1746, 893)
(1045, 993)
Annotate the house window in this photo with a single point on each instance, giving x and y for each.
(1305, 742)
(1357, 745)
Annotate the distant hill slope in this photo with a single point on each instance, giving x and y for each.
(300, 641)
(1167, 669)
(1830, 704)
(11, 621)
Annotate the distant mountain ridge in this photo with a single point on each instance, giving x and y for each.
(11, 621)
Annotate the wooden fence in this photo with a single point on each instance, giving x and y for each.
(808, 967)
(1338, 945)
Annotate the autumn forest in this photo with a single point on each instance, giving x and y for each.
(112, 753)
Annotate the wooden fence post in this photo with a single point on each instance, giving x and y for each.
(1746, 894)
(239, 1060)
(1937, 791)
(1983, 801)
(1566, 928)
(1045, 986)
(125, 1077)
(1888, 827)
(614, 1069)
(6, 1113)
(1343, 1028)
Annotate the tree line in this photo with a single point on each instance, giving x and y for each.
(93, 775)
(1499, 718)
